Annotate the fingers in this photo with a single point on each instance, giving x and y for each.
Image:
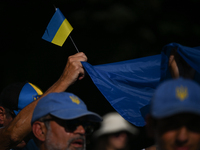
(75, 66)
(171, 59)
(74, 69)
(77, 57)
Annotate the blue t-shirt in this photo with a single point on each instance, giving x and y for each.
(30, 146)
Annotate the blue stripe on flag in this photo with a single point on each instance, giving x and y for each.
(53, 25)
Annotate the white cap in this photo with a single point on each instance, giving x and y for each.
(113, 122)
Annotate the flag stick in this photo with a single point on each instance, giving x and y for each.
(74, 44)
(55, 7)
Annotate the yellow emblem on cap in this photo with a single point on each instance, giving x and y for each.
(36, 97)
(75, 99)
(181, 93)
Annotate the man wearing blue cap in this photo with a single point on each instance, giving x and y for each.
(174, 119)
(61, 121)
(16, 114)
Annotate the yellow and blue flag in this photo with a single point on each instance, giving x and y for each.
(58, 29)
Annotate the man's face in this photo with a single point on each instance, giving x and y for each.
(8, 119)
(60, 137)
(6, 122)
(179, 132)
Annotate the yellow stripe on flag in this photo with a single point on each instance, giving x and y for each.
(62, 33)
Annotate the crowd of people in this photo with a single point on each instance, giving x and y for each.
(59, 120)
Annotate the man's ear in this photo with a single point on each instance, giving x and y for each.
(39, 130)
(2, 115)
(150, 126)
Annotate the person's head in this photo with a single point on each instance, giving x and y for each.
(14, 98)
(174, 119)
(114, 132)
(61, 121)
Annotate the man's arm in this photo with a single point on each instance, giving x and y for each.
(73, 71)
(20, 127)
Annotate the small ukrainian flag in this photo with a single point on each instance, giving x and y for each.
(58, 29)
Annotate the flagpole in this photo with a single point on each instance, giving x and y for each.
(74, 43)
(69, 35)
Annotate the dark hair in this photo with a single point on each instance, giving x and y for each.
(10, 95)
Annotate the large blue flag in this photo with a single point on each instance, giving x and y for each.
(129, 85)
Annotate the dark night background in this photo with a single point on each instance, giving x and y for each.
(105, 30)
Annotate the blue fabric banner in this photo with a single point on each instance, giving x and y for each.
(129, 85)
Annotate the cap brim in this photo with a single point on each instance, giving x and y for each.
(176, 110)
(67, 114)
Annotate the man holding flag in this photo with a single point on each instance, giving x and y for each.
(16, 130)
(132, 82)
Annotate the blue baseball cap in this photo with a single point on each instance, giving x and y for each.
(63, 105)
(174, 97)
(18, 95)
